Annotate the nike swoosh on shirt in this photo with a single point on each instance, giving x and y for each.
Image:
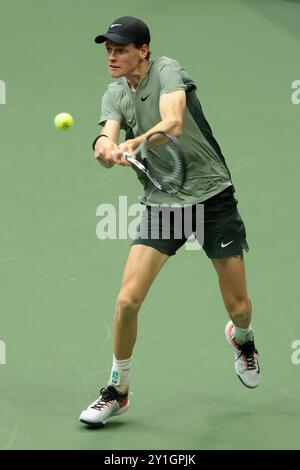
(226, 244)
(144, 99)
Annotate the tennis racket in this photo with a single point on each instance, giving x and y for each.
(161, 159)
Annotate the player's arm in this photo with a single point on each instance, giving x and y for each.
(171, 107)
(107, 143)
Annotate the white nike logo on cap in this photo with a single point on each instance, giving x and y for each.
(226, 244)
(117, 24)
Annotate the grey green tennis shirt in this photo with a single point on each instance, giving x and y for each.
(137, 112)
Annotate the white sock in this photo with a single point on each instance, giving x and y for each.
(242, 335)
(119, 376)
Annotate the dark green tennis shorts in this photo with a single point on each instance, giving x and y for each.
(216, 223)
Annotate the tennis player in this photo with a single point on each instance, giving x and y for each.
(159, 95)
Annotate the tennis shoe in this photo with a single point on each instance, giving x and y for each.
(246, 358)
(110, 403)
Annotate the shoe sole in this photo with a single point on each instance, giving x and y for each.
(92, 425)
(102, 423)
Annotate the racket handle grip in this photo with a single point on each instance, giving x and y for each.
(129, 157)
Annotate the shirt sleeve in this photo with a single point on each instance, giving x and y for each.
(109, 109)
(173, 77)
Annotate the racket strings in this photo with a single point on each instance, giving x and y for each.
(165, 165)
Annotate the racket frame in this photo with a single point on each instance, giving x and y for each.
(137, 164)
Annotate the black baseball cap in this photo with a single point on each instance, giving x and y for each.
(124, 30)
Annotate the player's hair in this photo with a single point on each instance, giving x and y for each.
(138, 45)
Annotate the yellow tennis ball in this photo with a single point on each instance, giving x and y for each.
(63, 121)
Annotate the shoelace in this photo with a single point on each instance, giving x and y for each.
(248, 352)
(106, 395)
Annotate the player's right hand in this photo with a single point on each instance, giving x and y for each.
(118, 153)
(103, 152)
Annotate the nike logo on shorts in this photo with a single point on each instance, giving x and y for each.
(226, 244)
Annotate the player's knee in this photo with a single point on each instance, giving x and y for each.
(238, 309)
(127, 305)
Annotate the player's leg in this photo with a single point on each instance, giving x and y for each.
(232, 281)
(238, 331)
(224, 242)
(143, 265)
(155, 242)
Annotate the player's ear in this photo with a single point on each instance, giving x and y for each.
(144, 51)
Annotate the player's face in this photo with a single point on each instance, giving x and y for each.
(123, 60)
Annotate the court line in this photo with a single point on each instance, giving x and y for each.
(12, 437)
(282, 390)
(11, 258)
